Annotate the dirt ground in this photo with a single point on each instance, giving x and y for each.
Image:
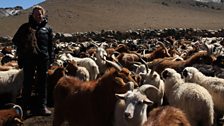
(39, 120)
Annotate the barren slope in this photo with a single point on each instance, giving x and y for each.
(95, 15)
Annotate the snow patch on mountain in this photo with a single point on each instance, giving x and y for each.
(10, 11)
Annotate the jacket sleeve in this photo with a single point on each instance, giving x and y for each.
(17, 41)
(51, 46)
(18, 35)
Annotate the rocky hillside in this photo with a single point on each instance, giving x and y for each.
(71, 16)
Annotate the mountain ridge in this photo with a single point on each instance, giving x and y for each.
(10, 11)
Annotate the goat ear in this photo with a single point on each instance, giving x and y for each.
(135, 65)
(187, 74)
(119, 80)
(147, 101)
(120, 96)
(115, 65)
(18, 121)
(130, 85)
(148, 90)
(184, 73)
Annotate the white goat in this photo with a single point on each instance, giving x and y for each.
(140, 68)
(78, 71)
(100, 59)
(191, 98)
(131, 108)
(88, 63)
(11, 82)
(153, 78)
(58, 62)
(82, 73)
(101, 55)
(214, 85)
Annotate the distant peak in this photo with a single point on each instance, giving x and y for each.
(16, 8)
(207, 1)
(10, 11)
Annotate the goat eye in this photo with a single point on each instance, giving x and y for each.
(185, 73)
(165, 74)
(127, 100)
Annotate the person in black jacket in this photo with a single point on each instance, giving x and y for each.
(35, 53)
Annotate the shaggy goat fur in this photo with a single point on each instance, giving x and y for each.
(92, 102)
(167, 116)
(191, 98)
(131, 108)
(214, 85)
(11, 83)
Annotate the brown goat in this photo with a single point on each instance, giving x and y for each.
(12, 63)
(5, 68)
(11, 116)
(89, 103)
(121, 48)
(127, 59)
(53, 76)
(199, 57)
(167, 116)
(160, 52)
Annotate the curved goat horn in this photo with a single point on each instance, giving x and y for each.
(164, 47)
(18, 120)
(115, 59)
(94, 43)
(152, 71)
(146, 66)
(115, 65)
(145, 87)
(208, 49)
(154, 66)
(19, 110)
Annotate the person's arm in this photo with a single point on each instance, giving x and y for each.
(51, 46)
(17, 41)
(18, 35)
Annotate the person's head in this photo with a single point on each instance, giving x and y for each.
(38, 13)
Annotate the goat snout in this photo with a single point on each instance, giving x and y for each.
(127, 115)
(129, 111)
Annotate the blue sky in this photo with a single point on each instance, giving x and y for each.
(24, 3)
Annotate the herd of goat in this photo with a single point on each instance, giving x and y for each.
(132, 82)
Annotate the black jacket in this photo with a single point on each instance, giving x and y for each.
(34, 39)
